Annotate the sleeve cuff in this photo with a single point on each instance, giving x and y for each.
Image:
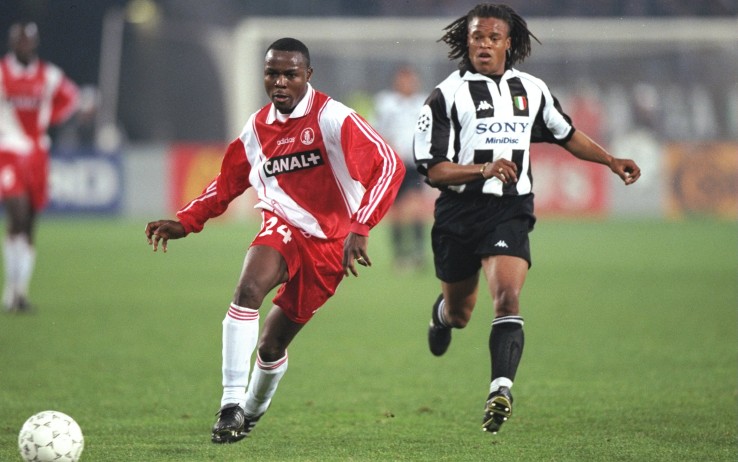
(359, 228)
(188, 226)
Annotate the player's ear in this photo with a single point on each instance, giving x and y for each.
(309, 73)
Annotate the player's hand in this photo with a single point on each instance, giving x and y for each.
(503, 169)
(354, 251)
(163, 230)
(626, 169)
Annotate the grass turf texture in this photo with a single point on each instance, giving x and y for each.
(630, 351)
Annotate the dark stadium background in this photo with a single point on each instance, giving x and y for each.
(71, 35)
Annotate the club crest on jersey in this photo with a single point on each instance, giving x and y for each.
(293, 162)
(307, 136)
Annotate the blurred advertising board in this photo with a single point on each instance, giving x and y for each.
(85, 181)
(704, 179)
(566, 186)
(192, 167)
(700, 179)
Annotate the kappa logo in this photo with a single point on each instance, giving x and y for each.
(501, 244)
(484, 105)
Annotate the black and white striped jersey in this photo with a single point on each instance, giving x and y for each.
(472, 119)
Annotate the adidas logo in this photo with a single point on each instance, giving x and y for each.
(484, 106)
(502, 244)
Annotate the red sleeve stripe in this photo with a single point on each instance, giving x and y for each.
(209, 192)
(389, 166)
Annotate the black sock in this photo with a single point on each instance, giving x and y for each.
(506, 346)
(419, 239)
(397, 240)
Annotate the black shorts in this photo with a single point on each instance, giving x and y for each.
(470, 226)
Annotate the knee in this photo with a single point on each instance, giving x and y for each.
(458, 322)
(458, 318)
(507, 302)
(270, 352)
(249, 294)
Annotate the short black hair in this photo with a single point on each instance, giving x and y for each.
(291, 44)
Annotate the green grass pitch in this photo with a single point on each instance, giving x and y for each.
(630, 352)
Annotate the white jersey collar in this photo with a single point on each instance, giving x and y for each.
(18, 69)
(475, 76)
(301, 110)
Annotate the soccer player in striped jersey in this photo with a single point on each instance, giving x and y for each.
(472, 141)
(34, 94)
(323, 178)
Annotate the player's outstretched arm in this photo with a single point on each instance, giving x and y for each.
(163, 230)
(583, 147)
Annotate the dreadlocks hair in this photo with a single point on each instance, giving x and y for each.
(457, 33)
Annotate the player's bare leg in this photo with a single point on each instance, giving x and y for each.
(452, 309)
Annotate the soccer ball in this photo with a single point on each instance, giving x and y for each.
(50, 436)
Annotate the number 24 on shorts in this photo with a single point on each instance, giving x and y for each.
(269, 228)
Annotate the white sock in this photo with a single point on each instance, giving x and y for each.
(240, 334)
(26, 264)
(441, 313)
(264, 381)
(500, 382)
(10, 262)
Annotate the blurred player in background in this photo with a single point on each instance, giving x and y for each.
(473, 141)
(34, 95)
(324, 178)
(396, 112)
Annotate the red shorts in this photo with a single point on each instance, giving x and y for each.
(25, 176)
(315, 267)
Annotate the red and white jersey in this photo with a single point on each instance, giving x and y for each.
(32, 98)
(324, 170)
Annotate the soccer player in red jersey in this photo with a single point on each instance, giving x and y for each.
(323, 178)
(34, 94)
